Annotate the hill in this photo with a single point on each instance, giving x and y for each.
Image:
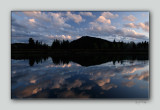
(87, 42)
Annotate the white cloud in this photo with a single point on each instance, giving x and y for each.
(86, 13)
(109, 15)
(104, 17)
(103, 20)
(131, 25)
(132, 33)
(75, 17)
(31, 20)
(144, 26)
(60, 37)
(38, 15)
(58, 20)
(130, 18)
(99, 29)
(32, 13)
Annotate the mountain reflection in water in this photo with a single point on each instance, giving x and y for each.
(80, 77)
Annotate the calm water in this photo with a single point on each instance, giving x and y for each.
(48, 79)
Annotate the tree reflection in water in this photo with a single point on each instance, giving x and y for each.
(83, 60)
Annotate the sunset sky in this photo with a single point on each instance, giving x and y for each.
(46, 26)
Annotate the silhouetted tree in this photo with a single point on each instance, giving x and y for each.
(65, 44)
(56, 44)
(31, 41)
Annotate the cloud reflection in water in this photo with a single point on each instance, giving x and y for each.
(48, 80)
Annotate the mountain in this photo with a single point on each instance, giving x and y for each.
(87, 42)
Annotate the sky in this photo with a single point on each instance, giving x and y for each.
(46, 26)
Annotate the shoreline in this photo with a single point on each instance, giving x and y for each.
(79, 51)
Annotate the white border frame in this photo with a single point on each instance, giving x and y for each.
(118, 5)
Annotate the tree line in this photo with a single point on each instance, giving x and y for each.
(83, 44)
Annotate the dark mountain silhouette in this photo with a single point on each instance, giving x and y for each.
(87, 42)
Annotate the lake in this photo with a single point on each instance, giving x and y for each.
(50, 77)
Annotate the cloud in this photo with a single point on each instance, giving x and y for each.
(104, 16)
(103, 82)
(75, 84)
(61, 66)
(130, 18)
(35, 91)
(130, 77)
(26, 28)
(44, 25)
(32, 20)
(55, 19)
(103, 20)
(99, 29)
(58, 20)
(132, 33)
(109, 15)
(144, 15)
(104, 28)
(108, 86)
(89, 87)
(60, 37)
(32, 13)
(17, 25)
(38, 28)
(101, 76)
(144, 26)
(33, 81)
(132, 70)
(75, 17)
(129, 83)
(87, 14)
(131, 25)
(144, 75)
(38, 15)
(72, 94)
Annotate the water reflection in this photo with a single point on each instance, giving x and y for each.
(61, 78)
(83, 60)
